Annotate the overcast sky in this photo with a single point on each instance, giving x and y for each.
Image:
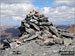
(59, 12)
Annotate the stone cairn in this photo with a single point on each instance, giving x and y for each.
(37, 27)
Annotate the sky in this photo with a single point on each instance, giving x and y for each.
(59, 12)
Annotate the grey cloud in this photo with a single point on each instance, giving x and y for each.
(60, 14)
(17, 12)
(16, 0)
(70, 3)
(14, 13)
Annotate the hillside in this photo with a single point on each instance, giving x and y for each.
(8, 32)
(65, 27)
(72, 30)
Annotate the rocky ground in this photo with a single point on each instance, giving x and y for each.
(33, 49)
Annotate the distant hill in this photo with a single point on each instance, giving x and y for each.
(4, 27)
(8, 32)
(65, 27)
(72, 30)
(69, 28)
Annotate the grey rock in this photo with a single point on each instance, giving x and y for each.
(22, 29)
(34, 21)
(27, 19)
(67, 35)
(13, 45)
(17, 52)
(54, 31)
(67, 41)
(40, 42)
(41, 27)
(32, 37)
(26, 25)
(24, 36)
(34, 26)
(33, 49)
(45, 23)
(34, 17)
(41, 19)
(44, 19)
(2, 52)
(46, 28)
(49, 42)
(6, 45)
(42, 16)
(46, 34)
(29, 30)
(58, 41)
(23, 21)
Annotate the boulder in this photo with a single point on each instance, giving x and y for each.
(34, 26)
(26, 25)
(54, 31)
(67, 35)
(58, 41)
(29, 30)
(49, 42)
(67, 41)
(45, 23)
(34, 17)
(32, 37)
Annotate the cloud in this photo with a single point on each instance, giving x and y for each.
(15, 0)
(16, 9)
(60, 13)
(70, 3)
(14, 12)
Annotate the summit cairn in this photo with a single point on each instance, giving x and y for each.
(37, 26)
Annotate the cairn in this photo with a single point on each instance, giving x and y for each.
(37, 26)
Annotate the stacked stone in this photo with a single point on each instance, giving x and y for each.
(34, 21)
(36, 25)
